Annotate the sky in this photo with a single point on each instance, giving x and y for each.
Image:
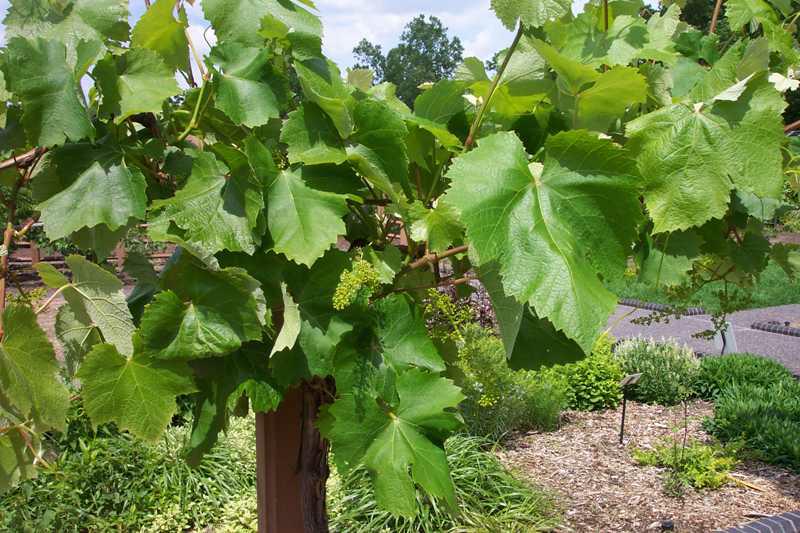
(346, 22)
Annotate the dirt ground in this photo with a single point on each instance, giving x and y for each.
(604, 490)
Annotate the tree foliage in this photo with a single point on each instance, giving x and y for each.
(425, 54)
(310, 213)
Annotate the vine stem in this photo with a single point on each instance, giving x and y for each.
(435, 258)
(476, 124)
(22, 160)
(605, 15)
(193, 122)
(715, 17)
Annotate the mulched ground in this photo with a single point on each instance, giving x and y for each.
(603, 489)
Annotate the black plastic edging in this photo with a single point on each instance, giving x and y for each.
(652, 306)
(771, 327)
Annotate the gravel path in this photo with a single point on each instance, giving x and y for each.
(782, 348)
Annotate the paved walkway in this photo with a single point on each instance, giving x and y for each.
(782, 348)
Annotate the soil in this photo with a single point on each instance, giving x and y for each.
(603, 489)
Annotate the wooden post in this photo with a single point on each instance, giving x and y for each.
(292, 463)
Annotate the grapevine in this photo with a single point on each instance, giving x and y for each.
(311, 211)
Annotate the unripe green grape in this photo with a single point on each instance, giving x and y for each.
(358, 282)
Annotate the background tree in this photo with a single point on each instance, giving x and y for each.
(425, 53)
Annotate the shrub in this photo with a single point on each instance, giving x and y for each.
(668, 370)
(699, 465)
(109, 481)
(489, 497)
(593, 382)
(718, 373)
(767, 419)
(498, 399)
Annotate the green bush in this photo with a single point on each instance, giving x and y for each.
(718, 373)
(668, 370)
(498, 399)
(109, 481)
(593, 382)
(767, 419)
(699, 465)
(489, 498)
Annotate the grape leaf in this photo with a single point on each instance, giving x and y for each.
(214, 211)
(71, 22)
(159, 31)
(136, 82)
(202, 313)
(96, 298)
(29, 371)
(246, 89)
(683, 158)
(541, 224)
(311, 137)
(137, 393)
(291, 324)
(394, 442)
(240, 21)
(533, 13)
(439, 227)
(380, 154)
(16, 459)
(404, 336)
(756, 117)
(37, 72)
(666, 259)
(613, 93)
(110, 196)
(441, 102)
(322, 84)
(303, 222)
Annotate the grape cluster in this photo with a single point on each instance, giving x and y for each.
(355, 284)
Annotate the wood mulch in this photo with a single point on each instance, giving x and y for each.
(603, 489)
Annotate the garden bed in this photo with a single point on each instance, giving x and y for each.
(603, 489)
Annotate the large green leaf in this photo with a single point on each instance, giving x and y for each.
(404, 336)
(136, 82)
(159, 31)
(552, 229)
(72, 21)
(441, 102)
(683, 156)
(311, 137)
(96, 298)
(110, 196)
(241, 20)
(137, 393)
(532, 13)
(214, 211)
(29, 371)
(380, 154)
(248, 91)
(290, 329)
(614, 92)
(37, 72)
(322, 84)
(394, 441)
(303, 222)
(202, 313)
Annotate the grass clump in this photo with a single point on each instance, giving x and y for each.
(109, 481)
(718, 373)
(695, 464)
(489, 498)
(668, 370)
(766, 419)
